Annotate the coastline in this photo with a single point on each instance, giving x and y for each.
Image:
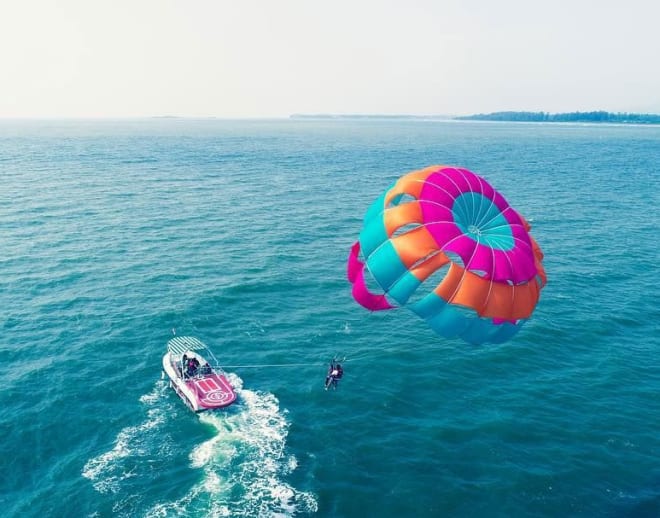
(594, 117)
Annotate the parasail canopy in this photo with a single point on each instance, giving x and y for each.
(444, 243)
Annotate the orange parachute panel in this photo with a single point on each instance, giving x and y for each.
(428, 266)
(414, 245)
(402, 215)
(411, 184)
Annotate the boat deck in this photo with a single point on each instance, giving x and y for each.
(212, 390)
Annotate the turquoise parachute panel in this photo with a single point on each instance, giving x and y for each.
(450, 322)
(373, 235)
(404, 288)
(479, 330)
(375, 209)
(428, 306)
(385, 266)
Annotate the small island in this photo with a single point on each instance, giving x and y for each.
(595, 116)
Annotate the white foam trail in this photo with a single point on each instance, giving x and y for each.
(108, 470)
(243, 464)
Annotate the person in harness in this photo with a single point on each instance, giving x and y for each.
(335, 372)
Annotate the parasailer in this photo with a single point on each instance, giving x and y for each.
(335, 373)
(444, 243)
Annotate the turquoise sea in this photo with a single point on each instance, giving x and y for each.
(116, 232)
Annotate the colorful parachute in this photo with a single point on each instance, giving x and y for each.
(442, 242)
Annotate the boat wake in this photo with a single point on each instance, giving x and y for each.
(242, 466)
(110, 469)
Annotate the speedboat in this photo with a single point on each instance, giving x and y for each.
(195, 375)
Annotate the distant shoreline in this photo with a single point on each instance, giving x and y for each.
(508, 116)
(595, 116)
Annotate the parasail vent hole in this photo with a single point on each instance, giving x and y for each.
(405, 229)
(400, 199)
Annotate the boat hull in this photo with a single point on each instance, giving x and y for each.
(201, 392)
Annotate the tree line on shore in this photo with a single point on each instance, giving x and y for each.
(595, 116)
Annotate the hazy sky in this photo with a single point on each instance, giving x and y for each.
(253, 58)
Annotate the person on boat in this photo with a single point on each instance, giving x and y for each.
(335, 372)
(193, 363)
(206, 369)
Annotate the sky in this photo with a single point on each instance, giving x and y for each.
(260, 58)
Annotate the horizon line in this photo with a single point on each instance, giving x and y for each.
(309, 115)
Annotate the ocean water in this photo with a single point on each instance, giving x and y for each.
(114, 233)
